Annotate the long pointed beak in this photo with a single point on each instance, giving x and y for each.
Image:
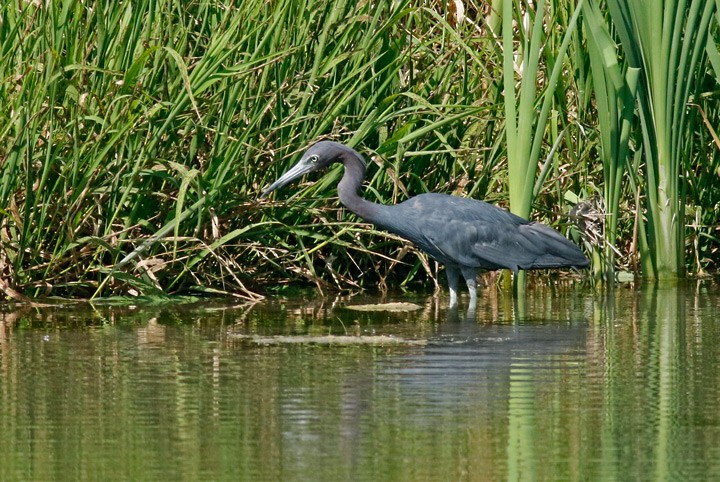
(297, 171)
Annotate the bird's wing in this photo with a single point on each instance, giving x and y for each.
(552, 249)
(475, 244)
(472, 233)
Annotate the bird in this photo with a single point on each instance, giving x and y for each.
(463, 234)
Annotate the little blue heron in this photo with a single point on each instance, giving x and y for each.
(463, 234)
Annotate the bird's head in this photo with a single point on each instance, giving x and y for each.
(317, 157)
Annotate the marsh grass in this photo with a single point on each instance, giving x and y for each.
(136, 137)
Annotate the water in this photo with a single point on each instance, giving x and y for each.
(569, 385)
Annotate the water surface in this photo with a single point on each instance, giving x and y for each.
(570, 384)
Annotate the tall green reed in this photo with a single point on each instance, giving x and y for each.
(666, 44)
(615, 85)
(527, 110)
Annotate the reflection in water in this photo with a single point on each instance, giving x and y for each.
(620, 385)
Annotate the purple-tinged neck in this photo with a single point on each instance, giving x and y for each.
(349, 186)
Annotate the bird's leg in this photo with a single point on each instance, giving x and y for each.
(470, 275)
(453, 276)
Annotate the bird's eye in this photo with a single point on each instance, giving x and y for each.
(314, 159)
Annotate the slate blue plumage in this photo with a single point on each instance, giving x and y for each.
(463, 234)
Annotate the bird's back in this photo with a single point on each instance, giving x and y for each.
(466, 232)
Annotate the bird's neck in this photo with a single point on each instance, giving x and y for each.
(349, 189)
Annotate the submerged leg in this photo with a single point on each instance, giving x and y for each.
(470, 275)
(453, 276)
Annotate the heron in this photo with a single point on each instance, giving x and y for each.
(465, 235)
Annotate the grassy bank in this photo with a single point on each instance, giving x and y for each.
(137, 136)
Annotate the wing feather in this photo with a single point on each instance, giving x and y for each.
(472, 233)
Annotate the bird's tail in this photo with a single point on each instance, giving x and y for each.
(552, 248)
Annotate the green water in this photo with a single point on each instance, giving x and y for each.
(568, 385)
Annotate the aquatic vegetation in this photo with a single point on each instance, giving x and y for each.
(137, 136)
